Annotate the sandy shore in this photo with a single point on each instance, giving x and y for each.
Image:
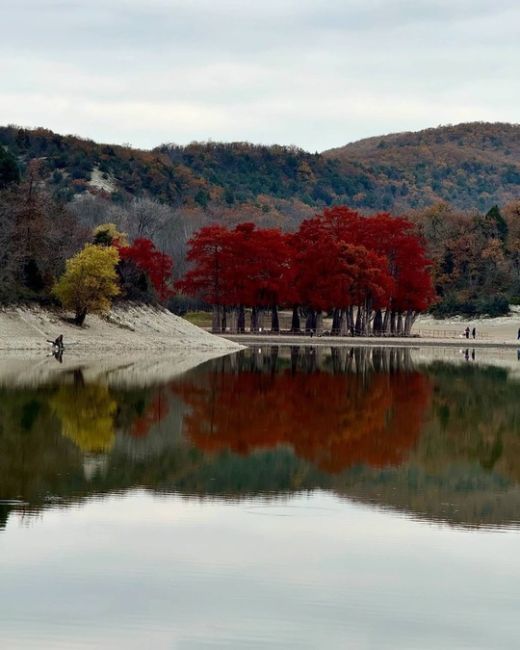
(127, 328)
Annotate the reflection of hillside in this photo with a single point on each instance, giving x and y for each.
(439, 442)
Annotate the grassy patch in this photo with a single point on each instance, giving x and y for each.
(199, 318)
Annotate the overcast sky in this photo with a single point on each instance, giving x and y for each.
(314, 73)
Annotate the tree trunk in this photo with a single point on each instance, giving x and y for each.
(319, 323)
(80, 316)
(386, 322)
(273, 361)
(260, 319)
(310, 322)
(378, 323)
(216, 320)
(350, 320)
(224, 320)
(357, 324)
(393, 322)
(241, 323)
(336, 322)
(295, 353)
(233, 320)
(343, 323)
(409, 321)
(400, 324)
(275, 321)
(295, 323)
(254, 320)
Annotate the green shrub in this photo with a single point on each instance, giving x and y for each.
(497, 305)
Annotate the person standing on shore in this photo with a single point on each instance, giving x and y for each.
(466, 332)
(474, 332)
(518, 337)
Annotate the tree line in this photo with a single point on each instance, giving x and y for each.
(48, 255)
(371, 273)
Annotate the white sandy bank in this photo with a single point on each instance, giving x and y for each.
(128, 327)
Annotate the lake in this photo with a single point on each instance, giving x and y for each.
(272, 498)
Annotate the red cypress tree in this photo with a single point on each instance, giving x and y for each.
(157, 266)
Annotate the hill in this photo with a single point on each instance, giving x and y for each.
(471, 166)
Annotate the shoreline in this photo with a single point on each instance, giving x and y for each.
(368, 341)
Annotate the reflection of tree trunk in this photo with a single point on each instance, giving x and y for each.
(310, 360)
(78, 378)
(295, 323)
(274, 359)
(339, 360)
(295, 353)
(275, 321)
(4, 514)
(377, 359)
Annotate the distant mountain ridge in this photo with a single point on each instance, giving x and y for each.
(472, 166)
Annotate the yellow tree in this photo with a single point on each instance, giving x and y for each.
(89, 282)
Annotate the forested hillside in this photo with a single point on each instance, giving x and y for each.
(471, 166)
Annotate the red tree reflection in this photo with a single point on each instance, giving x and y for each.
(333, 421)
(155, 412)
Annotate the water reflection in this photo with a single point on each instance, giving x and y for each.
(437, 440)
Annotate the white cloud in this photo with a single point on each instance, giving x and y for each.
(307, 72)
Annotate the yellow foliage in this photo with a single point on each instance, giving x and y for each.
(87, 416)
(89, 282)
(107, 234)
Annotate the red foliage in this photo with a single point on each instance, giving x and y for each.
(209, 257)
(157, 266)
(242, 266)
(335, 260)
(156, 412)
(334, 273)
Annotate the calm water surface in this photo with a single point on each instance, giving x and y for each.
(275, 498)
